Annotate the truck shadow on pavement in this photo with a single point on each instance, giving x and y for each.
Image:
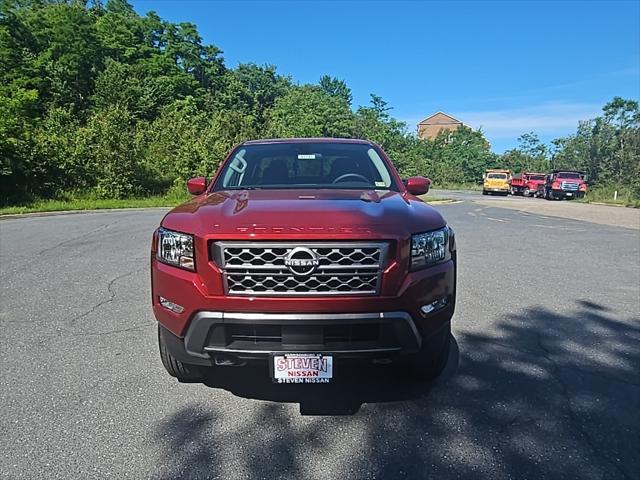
(543, 395)
(354, 384)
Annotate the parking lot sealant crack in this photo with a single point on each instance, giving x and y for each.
(112, 296)
(79, 237)
(111, 332)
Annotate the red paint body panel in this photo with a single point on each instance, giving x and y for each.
(526, 182)
(197, 185)
(418, 185)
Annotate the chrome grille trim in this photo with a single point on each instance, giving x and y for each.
(258, 268)
(571, 186)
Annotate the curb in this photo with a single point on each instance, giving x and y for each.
(610, 204)
(448, 200)
(13, 216)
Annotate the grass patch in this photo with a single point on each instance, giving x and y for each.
(87, 203)
(604, 194)
(434, 198)
(430, 199)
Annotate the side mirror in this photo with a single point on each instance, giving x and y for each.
(197, 185)
(418, 185)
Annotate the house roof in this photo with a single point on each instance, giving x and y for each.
(453, 119)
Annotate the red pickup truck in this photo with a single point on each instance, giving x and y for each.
(302, 254)
(526, 184)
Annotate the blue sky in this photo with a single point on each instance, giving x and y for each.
(508, 67)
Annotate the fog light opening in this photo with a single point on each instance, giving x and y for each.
(434, 306)
(174, 307)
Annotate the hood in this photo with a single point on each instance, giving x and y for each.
(304, 213)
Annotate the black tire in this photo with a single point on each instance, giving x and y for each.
(484, 192)
(430, 361)
(526, 193)
(174, 367)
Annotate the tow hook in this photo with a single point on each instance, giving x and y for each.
(382, 361)
(226, 361)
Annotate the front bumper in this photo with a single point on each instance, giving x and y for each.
(496, 190)
(213, 325)
(238, 337)
(249, 335)
(568, 193)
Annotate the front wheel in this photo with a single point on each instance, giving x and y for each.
(174, 367)
(527, 192)
(484, 192)
(432, 357)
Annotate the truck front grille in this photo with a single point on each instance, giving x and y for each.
(301, 268)
(570, 186)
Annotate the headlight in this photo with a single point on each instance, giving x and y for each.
(429, 248)
(176, 249)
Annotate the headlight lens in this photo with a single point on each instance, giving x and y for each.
(176, 249)
(429, 248)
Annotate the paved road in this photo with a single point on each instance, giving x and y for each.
(543, 383)
(601, 214)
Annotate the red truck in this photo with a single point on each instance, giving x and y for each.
(526, 184)
(302, 254)
(563, 184)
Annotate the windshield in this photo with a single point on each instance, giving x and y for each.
(499, 176)
(568, 175)
(305, 165)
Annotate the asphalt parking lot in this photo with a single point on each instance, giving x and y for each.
(542, 383)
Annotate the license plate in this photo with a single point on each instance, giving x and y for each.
(569, 194)
(302, 368)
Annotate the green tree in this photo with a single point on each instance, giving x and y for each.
(607, 147)
(308, 111)
(336, 88)
(63, 51)
(108, 151)
(460, 156)
(16, 132)
(531, 155)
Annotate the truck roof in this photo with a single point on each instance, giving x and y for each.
(558, 170)
(306, 140)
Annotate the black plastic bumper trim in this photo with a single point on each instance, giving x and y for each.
(202, 323)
